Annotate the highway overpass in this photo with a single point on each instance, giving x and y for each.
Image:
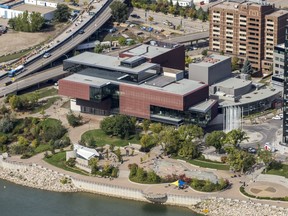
(63, 47)
(50, 74)
(189, 37)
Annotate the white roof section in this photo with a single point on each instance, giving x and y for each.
(85, 152)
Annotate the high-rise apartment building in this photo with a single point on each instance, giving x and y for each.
(285, 90)
(247, 30)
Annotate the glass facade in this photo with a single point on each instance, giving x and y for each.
(192, 117)
(99, 94)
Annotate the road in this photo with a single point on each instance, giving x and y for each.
(64, 47)
(34, 79)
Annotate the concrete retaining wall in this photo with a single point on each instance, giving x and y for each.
(110, 190)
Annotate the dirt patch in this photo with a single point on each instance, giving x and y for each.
(14, 41)
(255, 191)
(270, 189)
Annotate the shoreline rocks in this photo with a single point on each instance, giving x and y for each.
(37, 178)
(226, 207)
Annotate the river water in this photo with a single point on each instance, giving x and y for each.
(16, 200)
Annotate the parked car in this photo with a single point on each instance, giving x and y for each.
(277, 117)
(46, 55)
(81, 31)
(252, 150)
(135, 16)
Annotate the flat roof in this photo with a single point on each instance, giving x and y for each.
(203, 106)
(277, 13)
(233, 5)
(160, 81)
(89, 80)
(172, 70)
(211, 60)
(33, 8)
(251, 97)
(148, 51)
(233, 83)
(107, 62)
(181, 87)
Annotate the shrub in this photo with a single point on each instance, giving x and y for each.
(71, 162)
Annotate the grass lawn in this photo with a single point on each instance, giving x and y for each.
(13, 56)
(59, 160)
(44, 92)
(101, 139)
(42, 148)
(280, 172)
(50, 102)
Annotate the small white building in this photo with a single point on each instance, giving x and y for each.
(183, 3)
(10, 10)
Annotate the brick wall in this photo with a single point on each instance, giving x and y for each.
(74, 89)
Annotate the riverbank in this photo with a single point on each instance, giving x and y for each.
(38, 178)
(228, 207)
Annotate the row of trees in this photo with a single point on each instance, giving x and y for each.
(26, 22)
(35, 22)
(166, 7)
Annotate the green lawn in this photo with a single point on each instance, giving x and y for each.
(207, 164)
(44, 92)
(59, 160)
(42, 148)
(13, 56)
(50, 102)
(280, 172)
(101, 139)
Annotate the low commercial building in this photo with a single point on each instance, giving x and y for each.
(132, 86)
(11, 9)
(166, 54)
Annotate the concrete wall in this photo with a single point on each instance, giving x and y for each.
(74, 106)
(219, 71)
(10, 13)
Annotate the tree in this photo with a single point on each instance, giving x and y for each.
(266, 157)
(98, 48)
(205, 52)
(122, 41)
(118, 154)
(156, 127)
(42, 112)
(247, 68)
(37, 21)
(234, 63)
(150, 19)
(119, 11)
(190, 132)
(216, 139)
(62, 13)
(222, 52)
(6, 124)
(146, 142)
(93, 163)
(235, 137)
(15, 102)
(71, 162)
(118, 125)
(240, 160)
(73, 120)
(145, 125)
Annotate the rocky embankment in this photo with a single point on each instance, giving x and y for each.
(38, 178)
(226, 207)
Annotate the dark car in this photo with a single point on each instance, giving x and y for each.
(135, 16)
(81, 31)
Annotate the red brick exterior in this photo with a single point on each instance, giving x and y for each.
(136, 101)
(74, 89)
(175, 58)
